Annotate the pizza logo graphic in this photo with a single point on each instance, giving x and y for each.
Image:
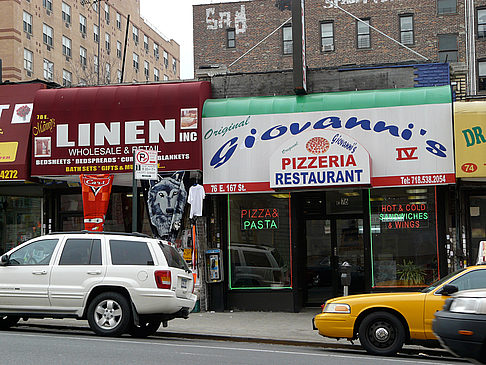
(317, 145)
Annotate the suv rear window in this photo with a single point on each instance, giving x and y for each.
(173, 257)
(130, 253)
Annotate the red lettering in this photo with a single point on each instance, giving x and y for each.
(285, 162)
(301, 162)
(350, 161)
(243, 213)
(261, 214)
(253, 213)
(333, 161)
(312, 162)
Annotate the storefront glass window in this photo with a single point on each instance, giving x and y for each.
(477, 209)
(404, 236)
(259, 241)
(20, 220)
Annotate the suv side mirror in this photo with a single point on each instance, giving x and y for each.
(448, 290)
(4, 260)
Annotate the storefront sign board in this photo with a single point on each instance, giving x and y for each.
(470, 138)
(407, 133)
(16, 104)
(95, 130)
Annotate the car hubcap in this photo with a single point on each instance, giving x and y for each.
(382, 334)
(108, 314)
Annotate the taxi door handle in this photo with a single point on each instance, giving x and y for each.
(39, 272)
(97, 272)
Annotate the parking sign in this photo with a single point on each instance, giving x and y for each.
(145, 164)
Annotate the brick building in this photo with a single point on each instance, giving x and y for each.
(81, 42)
(433, 31)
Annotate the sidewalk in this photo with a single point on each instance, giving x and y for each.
(269, 327)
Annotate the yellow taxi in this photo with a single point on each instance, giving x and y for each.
(383, 322)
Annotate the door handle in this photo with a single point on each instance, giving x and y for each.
(97, 272)
(39, 272)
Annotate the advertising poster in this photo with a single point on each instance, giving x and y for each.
(96, 190)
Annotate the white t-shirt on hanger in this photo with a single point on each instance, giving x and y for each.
(195, 198)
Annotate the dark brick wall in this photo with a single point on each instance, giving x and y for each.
(264, 16)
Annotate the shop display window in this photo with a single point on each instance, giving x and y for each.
(20, 220)
(259, 241)
(404, 237)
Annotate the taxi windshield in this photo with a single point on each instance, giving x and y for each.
(440, 281)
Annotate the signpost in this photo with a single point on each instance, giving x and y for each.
(144, 168)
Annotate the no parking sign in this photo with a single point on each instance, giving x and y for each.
(145, 164)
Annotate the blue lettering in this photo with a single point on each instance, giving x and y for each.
(312, 178)
(219, 160)
(358, 172)
(321, 177)
(294, 128)
(330, 177)
(304, 177)
(287, 178)
(278, 178)
(436, 148)
(295, 178)
(268, 134)
(381, 126)
(350, 176)
(335, 122)
(352, 122)
(340, 177)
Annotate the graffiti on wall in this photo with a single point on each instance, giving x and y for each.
(223, 19)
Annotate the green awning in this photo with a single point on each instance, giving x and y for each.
(326, 101)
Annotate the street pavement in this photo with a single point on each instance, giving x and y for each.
(263, 327)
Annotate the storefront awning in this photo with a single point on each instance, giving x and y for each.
(470, 138)
(94, 130)
(16, 103)
(406, 132)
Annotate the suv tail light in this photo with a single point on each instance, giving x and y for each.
(163, 279)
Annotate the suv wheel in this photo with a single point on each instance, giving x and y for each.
(8, 321)
(109, 314)
(145, 328)
(381, 333)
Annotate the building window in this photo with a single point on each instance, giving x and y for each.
(95, 5)
(66, 78)
(47, 34)
(327, 36)
(118, 76)
(363, 33)
(482, 75)
(166, 59)
(406, 29)
(82, 82)
(48, 70)
(118, 20)
(66, 46)
(96, 33)
(82, 24)
(66, 13)
(166, 78)
(146, 69)
(107, 13)
(156, 51)
(257, 261)
(156, 74)
(47, 5)
(390, 257)
(27, 23)
(83, 56)
(95, 64)
(107, 43)
(135, 62)
(481, 23)
(145, 43)
(447, 47)
(230, 38)
(174, 66)
(28, 60)
(118, 49)
(287, 39)
(108, 73)
(446, 6)
(135, 34)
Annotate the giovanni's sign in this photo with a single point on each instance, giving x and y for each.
(95, 130)
(406, 133)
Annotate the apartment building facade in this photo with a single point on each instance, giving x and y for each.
(256, 36)
(82, 42)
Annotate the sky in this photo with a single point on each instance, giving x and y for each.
(173, 18)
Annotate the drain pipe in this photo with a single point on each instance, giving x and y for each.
(471, 83)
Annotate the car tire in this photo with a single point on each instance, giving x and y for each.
(381, 333)
(109, 314)
(145, 328)
(8, 321)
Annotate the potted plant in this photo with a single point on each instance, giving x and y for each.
(410, 273)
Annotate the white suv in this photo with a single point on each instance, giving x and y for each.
(119, 282)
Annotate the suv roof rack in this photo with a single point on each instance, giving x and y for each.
(135, 234)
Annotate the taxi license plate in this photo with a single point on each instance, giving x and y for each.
(183, 283)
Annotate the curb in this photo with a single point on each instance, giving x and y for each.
(417, 351)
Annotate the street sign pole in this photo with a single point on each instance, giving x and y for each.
(134, 197)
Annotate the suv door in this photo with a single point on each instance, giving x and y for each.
(79, 268)
(24, 280)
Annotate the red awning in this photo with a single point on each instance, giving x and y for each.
(94, 129)
(16, 103)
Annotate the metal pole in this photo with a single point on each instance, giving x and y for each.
(99, 38)
(125, 49)
(134, 198)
